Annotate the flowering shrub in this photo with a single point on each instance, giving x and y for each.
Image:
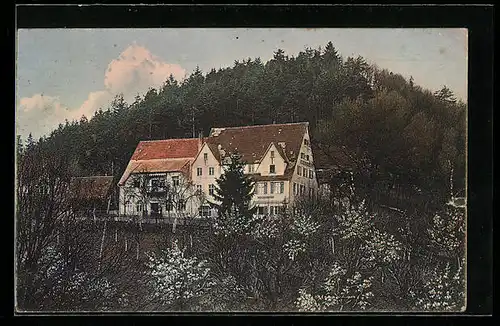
(224, 295)
(381, 247)
(294, 247)
(304, 226)
(71, 288)
(354, 223)
(447, 231)
(233, 223)
(443, 289)
(266, 228)
(177, 279)
(338, 292)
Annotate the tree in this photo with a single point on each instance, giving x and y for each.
(232, 199)
(42, 201)
(338, 293)
(178, 281)
(446, 95)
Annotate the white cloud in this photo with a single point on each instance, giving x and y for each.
(137, 69)
(132, 73)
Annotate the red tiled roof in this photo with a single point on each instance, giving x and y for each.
(167, 149)
(251, 142)
(90, 188)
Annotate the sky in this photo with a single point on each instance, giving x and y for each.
(66, 73)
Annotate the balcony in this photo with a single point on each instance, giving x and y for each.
(156, 190)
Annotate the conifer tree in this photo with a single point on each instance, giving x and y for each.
(233, 194)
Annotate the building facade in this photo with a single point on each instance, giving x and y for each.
(178, 176)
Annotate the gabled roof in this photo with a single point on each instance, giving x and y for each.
(155, 166)
(251, 142)
(169, 155)
(167, 149)
(91, 188)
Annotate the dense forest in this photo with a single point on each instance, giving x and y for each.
(395, 143)
(391, 130)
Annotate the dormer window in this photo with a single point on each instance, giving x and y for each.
(272, 169)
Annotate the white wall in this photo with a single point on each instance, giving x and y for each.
(308, 165)
(134, 196)
(205, 180)
(267, 160)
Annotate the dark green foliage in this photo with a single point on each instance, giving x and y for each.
(233, 195)
(234, 189)
(399, 136)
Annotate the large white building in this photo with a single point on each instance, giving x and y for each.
(178, 176)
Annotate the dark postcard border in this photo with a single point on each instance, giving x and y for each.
(150, 16)
(478, 19)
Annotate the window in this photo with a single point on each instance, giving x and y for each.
(311, 174)
(199, 171)
(168, 205)
(306, 141)
(154, 183)
(261, 210)
(138, 207)
(205, 156)
(272, 154)
(307, 157)
(256, 188)
(299, 170)
(273, 187)
(199, 188)
(155, 209)
(264, 185)
(128, 207)
(211, 189)
(211, 171)
(272, 168)
(294, 188)
(137, 183)
(175, 180)
(302, 155)
(181, 205)
(282, 187)
(302, 189)
(310, 192)
(251, 168)
(205, 211)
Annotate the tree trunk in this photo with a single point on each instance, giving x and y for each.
(174, 224)
(102, 244)
(137, 251)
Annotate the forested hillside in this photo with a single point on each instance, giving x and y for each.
(394, 134)
(397, 151)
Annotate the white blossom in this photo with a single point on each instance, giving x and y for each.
(176, 277)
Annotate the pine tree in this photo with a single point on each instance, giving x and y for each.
(233, 194)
